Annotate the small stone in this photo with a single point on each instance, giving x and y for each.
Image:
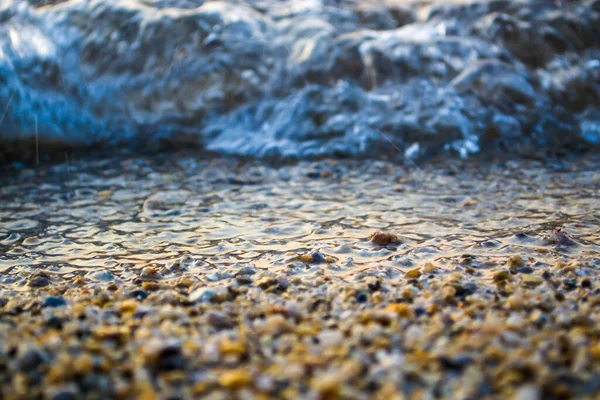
(532, 280)
(246, 270)
(328, 385)
(402, 310)
(361, 297)
(516, 261)
(232, 347)
(317, 257)
(282, 283)
(235, 379)
(219, 320)
(151, 286)
(30, 360)
(163, 356)
(470, 202)
(373, 283)
(65, 395)
(586, 283)
(266, 282)
(561, 238)
(128, 306)
(455, 363)
(429, 268)
(38, 281)
(383, 238)
(413, 273)
(570, 284)
(213, 277)
(83, 364)
(449, 293)
(54, 302)
(54, 322)
(139, 295)
(525, 270)
(501, 276)
(150, 273)
(217, 294)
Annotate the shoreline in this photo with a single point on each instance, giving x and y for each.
(178, 277)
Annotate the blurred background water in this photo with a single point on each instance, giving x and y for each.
(299, 79)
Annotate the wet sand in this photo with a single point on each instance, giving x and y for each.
(176, 277)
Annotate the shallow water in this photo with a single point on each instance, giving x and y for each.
(119, 215)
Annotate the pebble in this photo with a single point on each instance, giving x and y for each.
(219, 320)
(501, 276)
(38, 281)
(235, 379)
(414, 273)
(215, 294)
(54, 302)
(562, 238)
(383, 238)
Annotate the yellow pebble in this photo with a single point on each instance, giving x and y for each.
(413, 273)
(402, 310)
(231, 347)
(235, 379)
(128, 306)
(516, 261)
(83, 364)
(501, 276)
(532, 280)
(306, 258)
(595, 352)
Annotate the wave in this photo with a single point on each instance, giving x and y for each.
(302, 78)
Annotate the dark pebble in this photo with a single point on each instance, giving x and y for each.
(525, 270)
(219, 320)
(54, 302)
(541, 320)
(31, 360)
(38, 281)
(570, 284)
(465, 289)
(139, 294)
(455, 363)
(140, 314)
(374, 285)
(54, 322)
(170, 359)
(586, 283)
(546, 275)
(64, 396)
(317, 257)
(243, 280)
(362, 297)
